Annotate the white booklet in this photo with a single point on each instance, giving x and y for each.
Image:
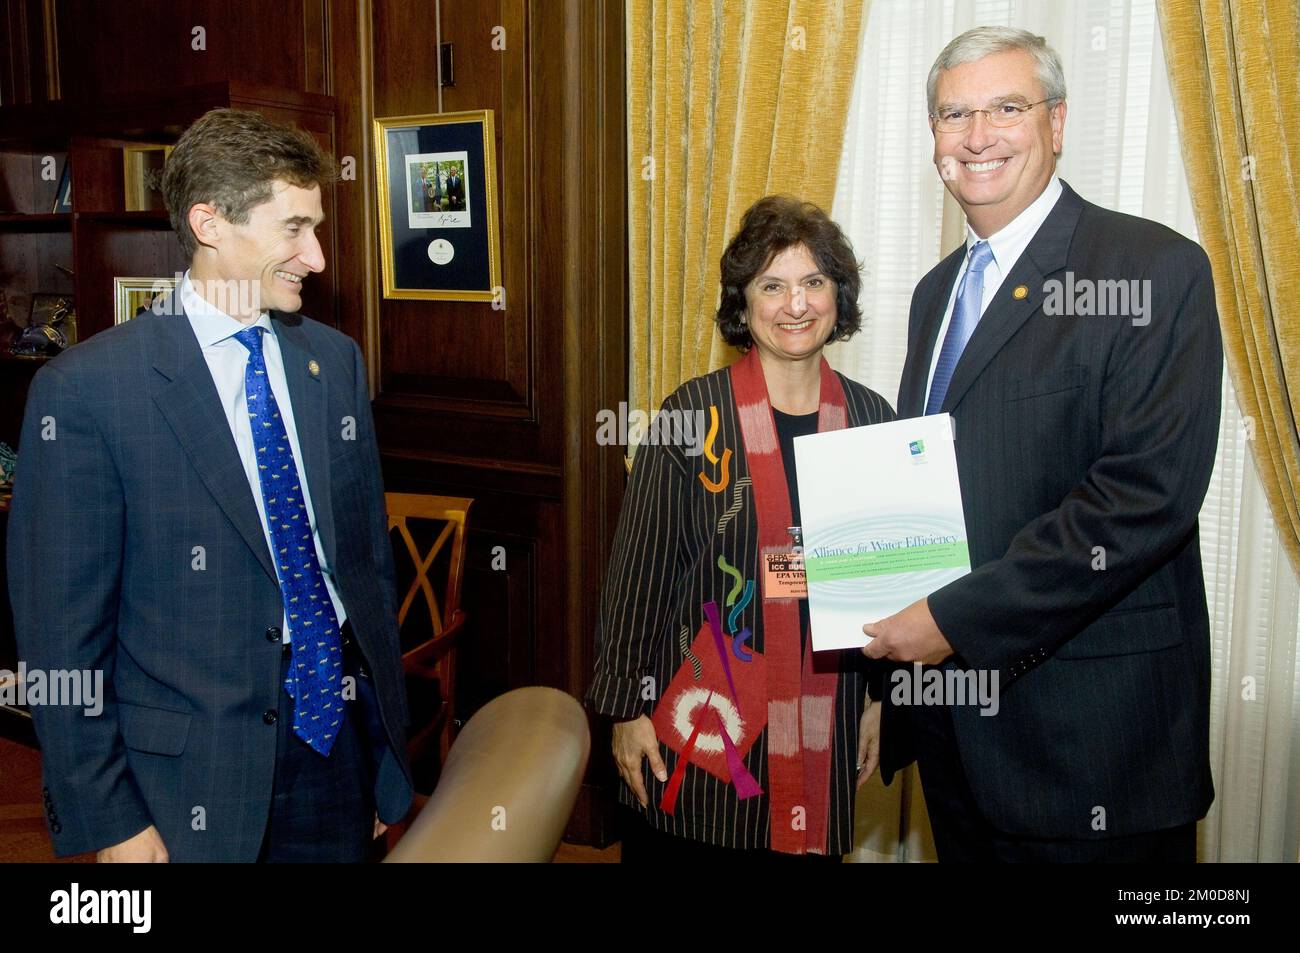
(882, 522)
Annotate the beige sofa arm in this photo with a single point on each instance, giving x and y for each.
(509, 784)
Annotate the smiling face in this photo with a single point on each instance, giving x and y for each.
(790, 306)
(271, 254)
(993, 173)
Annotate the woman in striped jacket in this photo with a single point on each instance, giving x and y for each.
(730, 734)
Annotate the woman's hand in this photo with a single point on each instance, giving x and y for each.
(868, 742)
(634, 740)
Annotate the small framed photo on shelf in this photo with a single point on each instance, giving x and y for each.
(142, 167)
(437, 206)
(132, 296)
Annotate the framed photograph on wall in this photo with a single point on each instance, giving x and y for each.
(436, 178)
(131, 296)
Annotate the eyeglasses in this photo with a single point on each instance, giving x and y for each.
(959, 120)
(772, 288)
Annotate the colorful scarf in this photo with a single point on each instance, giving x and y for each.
(800, 701)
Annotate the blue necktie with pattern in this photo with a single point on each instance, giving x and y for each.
(965, 315)
(315, 679)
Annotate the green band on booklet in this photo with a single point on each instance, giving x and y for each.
(881, 562)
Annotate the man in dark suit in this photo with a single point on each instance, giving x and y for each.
(456, 192)
(1078, 352)
(201, 518)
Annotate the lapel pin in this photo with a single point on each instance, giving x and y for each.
(314, 368)
(1021, 292)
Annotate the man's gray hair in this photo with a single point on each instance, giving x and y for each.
(984, 41)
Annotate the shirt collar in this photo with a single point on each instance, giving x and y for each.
(1015, 235)
(212, 325)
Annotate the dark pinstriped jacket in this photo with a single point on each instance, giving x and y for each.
(1078, 434)
(664, 565)
(105, 518)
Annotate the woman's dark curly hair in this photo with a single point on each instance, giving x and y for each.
(773, 224)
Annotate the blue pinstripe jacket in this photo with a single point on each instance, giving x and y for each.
(128, 464)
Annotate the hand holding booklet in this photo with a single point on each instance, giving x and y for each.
(882, 522)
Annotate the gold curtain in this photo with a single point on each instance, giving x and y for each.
(1233, 69)
(728, 101)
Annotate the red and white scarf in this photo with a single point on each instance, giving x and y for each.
(800, 700)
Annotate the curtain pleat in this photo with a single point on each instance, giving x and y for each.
(1235, 72)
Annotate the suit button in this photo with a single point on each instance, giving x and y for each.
(55, 828)
(273, 634)
(269, 716)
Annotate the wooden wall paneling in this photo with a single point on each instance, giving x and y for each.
(98, 179)
(315, 48)
(593, 169)
(355, 267)
(29, 260)
(15, 75)
(505, 601)
(109, 48)
(28, 60)
(462, 356)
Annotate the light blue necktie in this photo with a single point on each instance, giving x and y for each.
(965, 315)
(315, 679)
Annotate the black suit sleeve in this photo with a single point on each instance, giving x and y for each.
(67, 525)
(1138, 501)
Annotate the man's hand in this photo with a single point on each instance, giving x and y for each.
(144, 848)
(634, 740)
(908, 636)
(868, 742)
(380, 827)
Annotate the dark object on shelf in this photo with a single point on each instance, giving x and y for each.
(9, 333)
(39, 340)
(53, 327)
(63, 197)
(8, 330)
(8, 465)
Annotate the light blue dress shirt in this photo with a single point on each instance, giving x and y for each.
(227, 360)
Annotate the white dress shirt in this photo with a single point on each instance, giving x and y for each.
(1007, 246)
(227, 360)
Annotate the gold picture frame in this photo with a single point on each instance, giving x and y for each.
(132, 295)
(437, 197)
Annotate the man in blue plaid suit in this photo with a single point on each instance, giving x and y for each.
(200, 517)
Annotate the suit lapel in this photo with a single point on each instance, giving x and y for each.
(189, 402)
(1045, 255)
(916, 371)
(307, 393)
